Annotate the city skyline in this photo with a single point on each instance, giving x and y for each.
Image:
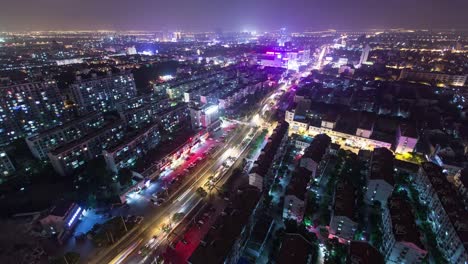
(260, 131)
(206, 15)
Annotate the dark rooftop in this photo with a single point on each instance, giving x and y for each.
(363, 253)
(464, 177)
(265, 159)
(61, 208)
(408, 130)
(317, 148)
(298, 184)
(452, 203)
(294, 249)
(382, 165)
(403, 221)
(219, 241)
(345, 200)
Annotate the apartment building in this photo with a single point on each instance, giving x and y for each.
(102, 93)
(407, 138)
(259, 174)
(343, 223)
(380, 181)
(401, 239)
(313, 155)
(295, 198)
(133, 146)
(6, 166)
(28, 108)
(40, 144)
(72, 156)
(454, 80)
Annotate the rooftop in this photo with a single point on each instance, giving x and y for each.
(298, 184)
(363, 253)
(265, 159)
(408, 130)
(382, 165)
(450, 200)
(294, 249)
(464, 177)
(344, 199)
(61, 208)
(403, 221)
(317, 148)
(219, 241)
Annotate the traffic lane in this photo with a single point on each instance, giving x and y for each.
(144, 230)
(238, 132)
(196, 230)
(193, 195)
(236, 141)
(123, 243)
(182, 251)
(216, 163)
(182, 172)
(161, 237)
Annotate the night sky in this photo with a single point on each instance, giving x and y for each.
(252, 15)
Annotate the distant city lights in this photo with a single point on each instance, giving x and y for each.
(166, 77)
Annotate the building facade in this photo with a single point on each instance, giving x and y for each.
(447, 214)
(407, 138)
(295, 199)
(26, 109)
(126, 154)
(102, 93)
(203, 116)
(72, 156)
(40, 144)
(313, 155)
(6, 166)
(380, 181)
(401, 239)
(454, 80)
(342, 222)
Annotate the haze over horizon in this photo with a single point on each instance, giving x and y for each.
(259, 15)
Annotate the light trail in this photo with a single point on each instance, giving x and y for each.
(122, 256)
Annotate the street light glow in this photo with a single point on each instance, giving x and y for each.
(211, 110)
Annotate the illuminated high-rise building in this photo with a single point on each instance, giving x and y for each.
(364, 55)
(204, 116)
(28, 108)
(101, 93)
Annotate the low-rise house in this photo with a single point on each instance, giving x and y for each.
(61, 218)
